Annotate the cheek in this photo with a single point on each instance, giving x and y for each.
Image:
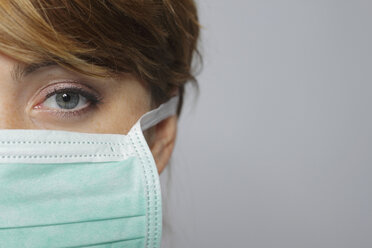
(113, 120)
(129, 102)
(118, 113)
(117, 116)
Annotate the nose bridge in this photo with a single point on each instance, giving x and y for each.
(10, 111)
(10, 121)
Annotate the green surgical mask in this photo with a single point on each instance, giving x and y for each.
(71, 189)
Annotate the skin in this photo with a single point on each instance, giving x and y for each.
(30, 102)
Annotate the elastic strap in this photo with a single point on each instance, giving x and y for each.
(155, 116)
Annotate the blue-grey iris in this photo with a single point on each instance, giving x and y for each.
(67, 100)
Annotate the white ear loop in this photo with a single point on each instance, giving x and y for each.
(155, 116)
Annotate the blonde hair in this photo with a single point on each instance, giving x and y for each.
(153, 39)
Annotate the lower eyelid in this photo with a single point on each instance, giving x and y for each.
(63, 115)
(70, 114)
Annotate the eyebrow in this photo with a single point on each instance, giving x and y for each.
(20, 71)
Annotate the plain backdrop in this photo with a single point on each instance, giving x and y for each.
(276, 151)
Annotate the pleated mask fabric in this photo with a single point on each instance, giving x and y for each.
(72, 189)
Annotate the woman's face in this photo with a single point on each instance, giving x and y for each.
(51, 97)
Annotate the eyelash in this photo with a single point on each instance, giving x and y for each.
(93, 99)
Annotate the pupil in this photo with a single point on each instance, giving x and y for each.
(66, 97)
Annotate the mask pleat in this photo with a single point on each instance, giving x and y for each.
(75, 234)
(72, 204)
(134, 243)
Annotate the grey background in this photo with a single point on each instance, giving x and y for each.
(276, 152)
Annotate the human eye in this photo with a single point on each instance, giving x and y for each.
(67, 99)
